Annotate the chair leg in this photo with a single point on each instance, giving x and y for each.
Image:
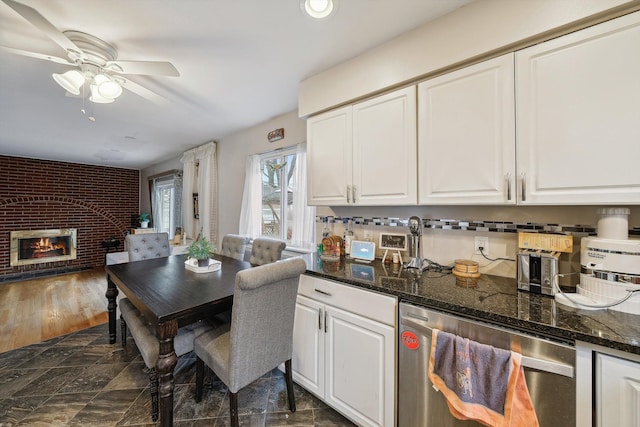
(153, 388)
(289, 379)
(233, 408)
(199, 378)
(123, 330)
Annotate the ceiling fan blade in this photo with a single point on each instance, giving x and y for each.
(158, 68)
(37, 55)
(142, 91)
(40, 22)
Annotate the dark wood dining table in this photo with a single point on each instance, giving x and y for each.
(170, 296)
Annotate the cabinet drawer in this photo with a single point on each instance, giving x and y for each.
(373, 305)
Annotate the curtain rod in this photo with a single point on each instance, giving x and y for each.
(165, 173)
(275, 150)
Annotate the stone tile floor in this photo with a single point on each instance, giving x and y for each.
(81, 380)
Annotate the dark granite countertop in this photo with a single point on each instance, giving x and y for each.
(493, 299)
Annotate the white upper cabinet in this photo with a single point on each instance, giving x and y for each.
(466, 136)
(365, 153)
(384, 150)
(578, 116)
(329, 146)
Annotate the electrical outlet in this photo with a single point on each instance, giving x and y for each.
(481, 242)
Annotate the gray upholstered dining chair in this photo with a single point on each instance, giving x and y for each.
(265, 250)
(234, 246)
(148, 245)
(260, 335)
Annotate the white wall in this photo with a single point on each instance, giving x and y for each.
(232, 154)
(482, 28)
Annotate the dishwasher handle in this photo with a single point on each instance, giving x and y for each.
(526, 361)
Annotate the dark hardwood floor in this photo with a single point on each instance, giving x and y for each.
(35, 310)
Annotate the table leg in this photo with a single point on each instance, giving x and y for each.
(167, 360)
(112, 294)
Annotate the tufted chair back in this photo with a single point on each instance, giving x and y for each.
(148, 245)
(234, 246)
(266, 250)
(260, 336)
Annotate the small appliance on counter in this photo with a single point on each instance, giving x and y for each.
(416, 262)
(610, 262)
(537, 270)
(538, 261)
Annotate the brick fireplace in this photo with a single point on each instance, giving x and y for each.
(40, 246)
(41, 195)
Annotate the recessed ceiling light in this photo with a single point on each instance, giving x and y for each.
(318, 8)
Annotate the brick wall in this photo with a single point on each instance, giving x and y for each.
(40, 194)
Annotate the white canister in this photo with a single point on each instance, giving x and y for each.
(613, 223)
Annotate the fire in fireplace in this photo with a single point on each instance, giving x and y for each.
(39, 246)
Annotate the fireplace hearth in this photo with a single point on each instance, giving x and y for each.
(42, 246)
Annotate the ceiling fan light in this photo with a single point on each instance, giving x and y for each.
(317, 8)
(97, 98)
(110, 89)
(71, 81)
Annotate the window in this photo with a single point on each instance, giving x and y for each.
(277, 195)
(166, 202)
(274, 200)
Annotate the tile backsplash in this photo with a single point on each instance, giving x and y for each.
(467, 225)
(445, 240)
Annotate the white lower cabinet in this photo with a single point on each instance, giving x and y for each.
(607, 387)
(344, 349)
(617, 391)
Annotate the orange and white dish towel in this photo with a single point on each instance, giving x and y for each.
(480, 382)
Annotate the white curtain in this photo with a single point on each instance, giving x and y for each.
(208, 191)
(188, 188)
(251, 212)
(304, 227)
(201, 168)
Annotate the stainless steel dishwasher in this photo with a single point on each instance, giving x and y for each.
(549, 369)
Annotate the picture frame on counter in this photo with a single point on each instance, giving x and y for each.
(393, 241)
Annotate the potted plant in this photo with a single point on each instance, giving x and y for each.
(201, 250)
(144, 220)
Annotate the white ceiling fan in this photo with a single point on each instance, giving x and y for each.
(95, 62)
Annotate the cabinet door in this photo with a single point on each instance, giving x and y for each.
(329, 170)
(360, 368)
(578, 115)
(384, 149)
(617, 392)
(466, 135)
(308, 346)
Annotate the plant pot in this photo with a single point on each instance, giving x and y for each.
(203, 262)
(144, 224)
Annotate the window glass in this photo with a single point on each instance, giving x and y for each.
(167, 204)
(277, 195)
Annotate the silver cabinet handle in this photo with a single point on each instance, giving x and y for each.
(320, 291)
(319, 319)
(354, 194)
(348, 194)
(325, 321)
(508, 178)
(523, 186)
